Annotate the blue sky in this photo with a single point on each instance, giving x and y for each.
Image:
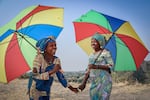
(71, 55)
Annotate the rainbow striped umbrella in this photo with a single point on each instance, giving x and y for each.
(17, 38)
(127, 49)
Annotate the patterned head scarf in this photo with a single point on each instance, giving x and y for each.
(100, 38)
(42, 44)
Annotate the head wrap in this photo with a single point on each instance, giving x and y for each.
(42, 44)
(100, 38)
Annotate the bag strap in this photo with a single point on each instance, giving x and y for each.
(109, 70)
(98, 56)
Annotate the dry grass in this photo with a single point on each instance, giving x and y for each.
(16, 90)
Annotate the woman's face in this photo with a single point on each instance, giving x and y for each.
(95, 44)
(51, 48)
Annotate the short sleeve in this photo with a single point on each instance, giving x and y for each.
(57, 61)
(109, 59)
(62, 79)
(91, 59)
(37, 62)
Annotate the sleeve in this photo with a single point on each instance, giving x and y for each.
(109, 59)
(57, 61)
(91, 59)
(30, 81)
(37, 62)
(59, 74)
(62, 79)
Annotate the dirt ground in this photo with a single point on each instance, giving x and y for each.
(16, 90)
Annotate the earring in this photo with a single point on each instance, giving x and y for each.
(101, 47)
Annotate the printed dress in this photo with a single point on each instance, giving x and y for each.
(40, 83)
(101, 82)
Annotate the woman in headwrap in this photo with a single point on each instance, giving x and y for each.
(100, 64)
(45, 66)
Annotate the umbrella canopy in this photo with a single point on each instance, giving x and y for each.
(18, 38)
(127, 49)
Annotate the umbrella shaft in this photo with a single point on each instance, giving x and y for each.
(26, 40)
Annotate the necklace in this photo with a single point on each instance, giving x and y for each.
(49, 60)
(97, 52)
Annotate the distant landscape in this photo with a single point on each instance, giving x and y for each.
(142, 75)
(126, 86)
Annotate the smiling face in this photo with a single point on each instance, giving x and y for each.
(95, 44)
(51, 48)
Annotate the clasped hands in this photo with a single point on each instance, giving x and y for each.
(83, 85)
(77, 89)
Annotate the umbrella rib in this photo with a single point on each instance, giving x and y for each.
(28, 25)
(26, 31)
(23, 37)
(121, 40)
(8, 41)
(108, 23)
(102, 29)
(113, 43)
(14, 44)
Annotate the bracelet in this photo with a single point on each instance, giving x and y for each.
(68, 85)
(79, 89)
(109, 66)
